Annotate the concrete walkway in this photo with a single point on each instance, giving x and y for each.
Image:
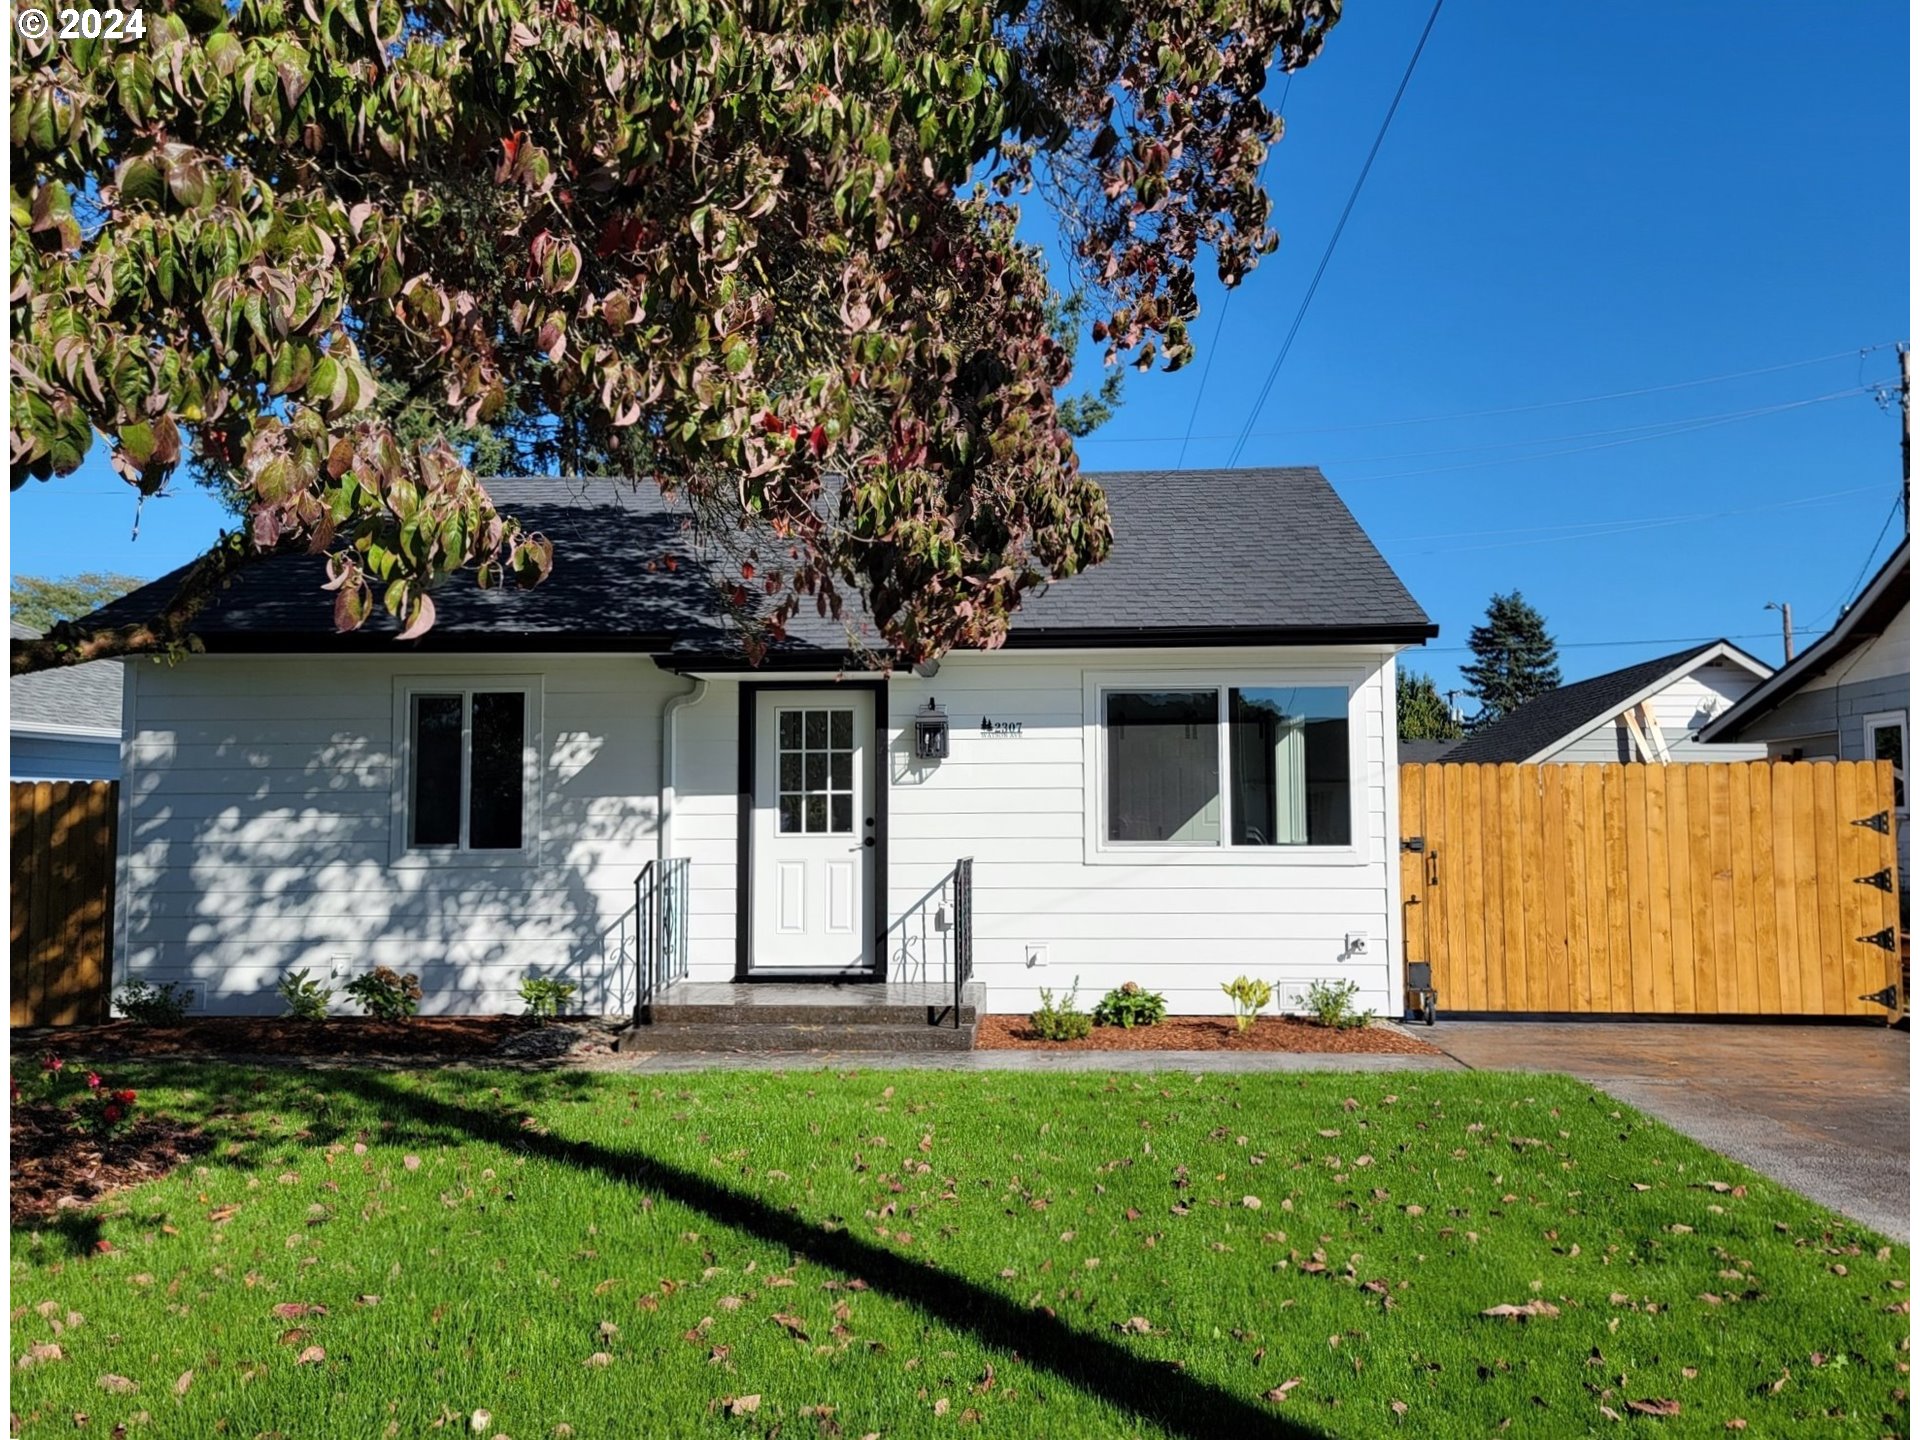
(1822, 1108)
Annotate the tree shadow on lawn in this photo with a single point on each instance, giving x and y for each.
(1151, 1390)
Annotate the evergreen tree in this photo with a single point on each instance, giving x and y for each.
(1514, 658)
(1423, 710)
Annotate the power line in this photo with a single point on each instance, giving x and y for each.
(1220, 324)
(1622, 644)
(1601, 529)
(1313, 287)
(1899, 504)
(1502, 410)
(1680, 429)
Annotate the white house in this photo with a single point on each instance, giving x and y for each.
(1652, 712)
(1180, 768)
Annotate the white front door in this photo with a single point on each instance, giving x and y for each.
(813, 830)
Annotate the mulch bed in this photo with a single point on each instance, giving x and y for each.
(424, 1036)
(1206, 1032)
(55, 1168)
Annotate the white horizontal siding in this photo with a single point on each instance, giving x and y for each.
(259, 794)
(1018, 806)
(255, 830)
(1681, 708)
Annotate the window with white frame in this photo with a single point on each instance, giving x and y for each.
(468, 767)
(1228, 766)
(1887, 740)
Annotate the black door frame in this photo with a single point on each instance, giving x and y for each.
(750, 691)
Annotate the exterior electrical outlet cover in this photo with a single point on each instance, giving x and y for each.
(1036, 957)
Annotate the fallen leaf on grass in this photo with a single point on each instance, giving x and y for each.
(293, 1310)
(366, 1300)
(1134, 1325)
(1278, 1395)
(740, 1404)
(1533, 1309)
(792, 1324)
(40, 1354)
(599, 1360)
(184, 1383)
(1655, 1407)
(312, 1355)
(480, 1420)
(118, 1385)
(1736, 1423)
(412, 1162)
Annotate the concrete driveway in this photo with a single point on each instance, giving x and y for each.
(1822, 1108)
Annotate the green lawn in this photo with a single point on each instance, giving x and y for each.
(917, 1254)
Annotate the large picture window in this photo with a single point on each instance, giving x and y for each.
(1228, 766)
(467, 769)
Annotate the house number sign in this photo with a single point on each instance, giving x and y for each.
(999, 727)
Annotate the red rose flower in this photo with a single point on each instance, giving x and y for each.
(113, 1114)
(52, 1064)
(93, 1081)
(125, 1097)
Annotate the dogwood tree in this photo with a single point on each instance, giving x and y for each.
(762, 253)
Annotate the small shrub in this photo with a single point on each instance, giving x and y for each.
(1130, 1006)
(385, 995)
(307, 998)
(545, 997)
(145, 1003)
(1249, 998)
(105, 1111)
(1331, 1003)
(1064, 1020)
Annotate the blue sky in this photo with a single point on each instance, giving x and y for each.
(1573, 201)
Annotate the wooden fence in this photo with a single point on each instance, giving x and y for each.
(1694, 889)
(63, 858)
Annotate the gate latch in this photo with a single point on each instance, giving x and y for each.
(1414, 844)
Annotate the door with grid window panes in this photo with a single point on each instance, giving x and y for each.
(813, 831)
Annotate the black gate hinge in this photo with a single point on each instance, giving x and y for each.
(1878, 822)
(1881, 938)
(1889, 997)
(1879, 880)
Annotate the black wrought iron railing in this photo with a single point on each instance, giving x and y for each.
(962, 932)
(660, 932)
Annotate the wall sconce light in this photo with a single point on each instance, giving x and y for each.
(930, 733)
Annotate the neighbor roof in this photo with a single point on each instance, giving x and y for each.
(1207, 556)
(1869, 615)
(1546, 721)
(81, 698)
(1426, 752)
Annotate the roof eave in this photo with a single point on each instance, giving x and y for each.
(1883, 598)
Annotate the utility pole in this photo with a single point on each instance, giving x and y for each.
(1786, 626)
(1906, 443)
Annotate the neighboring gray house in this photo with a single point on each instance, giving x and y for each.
(1654, 711)
(65, 724)
(1845, 697)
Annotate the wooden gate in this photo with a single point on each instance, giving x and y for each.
(1695, 889)
(63, 856)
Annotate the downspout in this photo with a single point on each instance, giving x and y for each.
(669, 715)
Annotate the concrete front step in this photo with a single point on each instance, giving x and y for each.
(761, 1016)
(733, 1036)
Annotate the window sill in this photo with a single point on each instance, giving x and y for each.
(1274, 856)
(464, 859)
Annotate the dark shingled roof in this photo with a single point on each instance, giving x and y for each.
(1264, 556)
(1562, 713)
(1425, 752)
